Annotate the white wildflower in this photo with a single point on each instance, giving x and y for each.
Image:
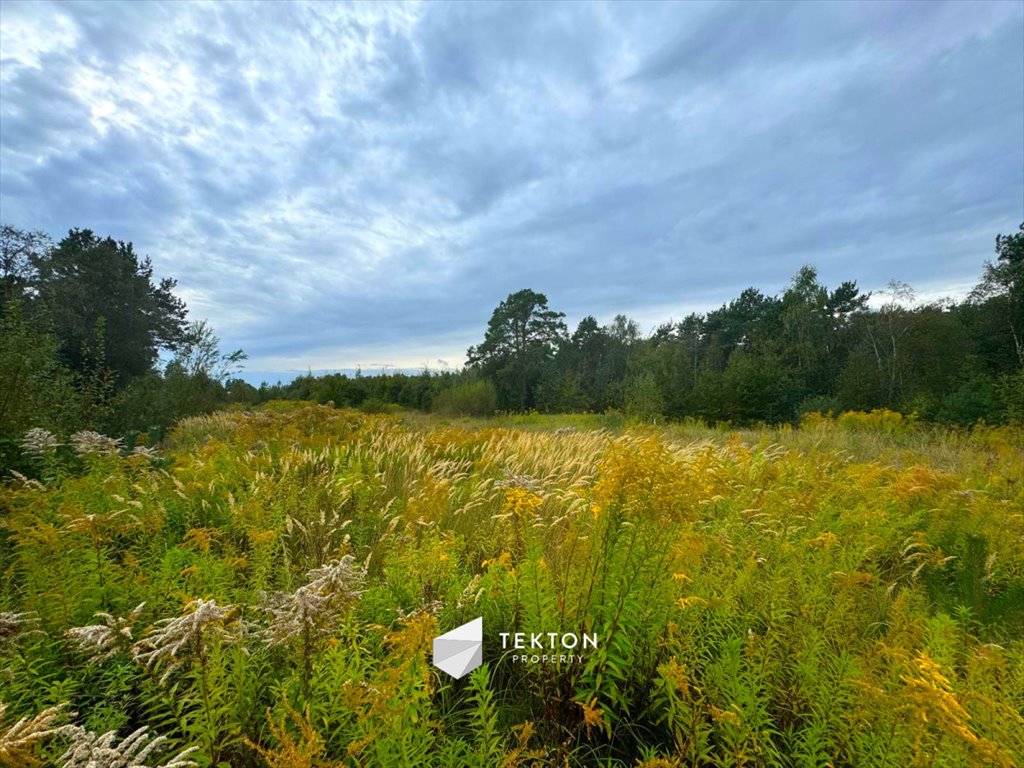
(88, 443)
(518, 481)
(171, 639)
(340, 578)
(142, 450)
(95, 522)
(471, 594)
(39, 441)
(91, 750)
(17, 742)
(26, 483)
(430, 608)
(311, 610)
(15, 625)
(101, 641)
(302, 613)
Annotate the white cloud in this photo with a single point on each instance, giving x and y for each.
(331, 181)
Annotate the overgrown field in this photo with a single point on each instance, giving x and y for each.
(265, 591)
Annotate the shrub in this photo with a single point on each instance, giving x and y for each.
(478, 398)
(643, 398)
(879, 420)
(1010, 391)
(827, 405)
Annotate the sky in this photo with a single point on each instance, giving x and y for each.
(342, 186)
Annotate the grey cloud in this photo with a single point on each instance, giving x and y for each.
(330, 177)
(39, 108)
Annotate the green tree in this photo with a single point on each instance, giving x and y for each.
(199, 354)
(196, 381)
(758, 388)
(665, 357)
(560, 391)
(585, 356)
(643, 398)
(747, 320)
(521, 336)
(586, 368)
(692, 334)
(86, 279)
(19, 249)
(1002, 289)
(1010, 390)
(475, 398)
(811, 330)
(890, 326)
(36, 390)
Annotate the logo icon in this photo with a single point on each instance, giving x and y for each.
(460, 651)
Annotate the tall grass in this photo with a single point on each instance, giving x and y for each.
(265, 593)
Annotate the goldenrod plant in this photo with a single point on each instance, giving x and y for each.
(264, 591)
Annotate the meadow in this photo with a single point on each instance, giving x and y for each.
(263, 588)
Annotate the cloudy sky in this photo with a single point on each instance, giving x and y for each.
(343, 185)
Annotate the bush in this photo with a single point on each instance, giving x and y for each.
(878, 420)
(1010, 390)
(826, 405)
(36, 389)
(376, 405)
(974, 401)
(478, 398)
(163, 399)
(643, 398)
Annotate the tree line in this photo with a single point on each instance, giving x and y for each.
(757, 358)
(764, 358)
(91, 339)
